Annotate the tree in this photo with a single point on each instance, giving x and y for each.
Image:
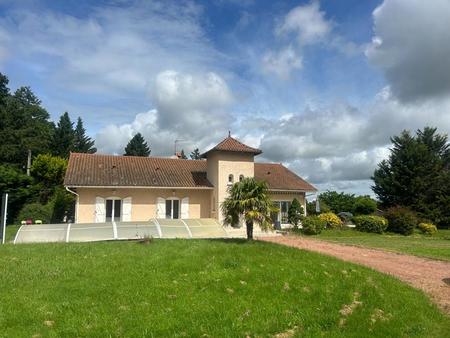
(364, 205)
(17, 185)
(48, 173)
(417, 175)
(183, 155)
(248, 198)
(137, 147)
(195, 155)
(295, 212)
(337, 202)
(82, 142)
(24, 125)
(64, 138)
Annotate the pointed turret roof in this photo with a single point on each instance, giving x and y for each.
(230, 144)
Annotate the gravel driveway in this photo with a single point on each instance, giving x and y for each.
(425, 274)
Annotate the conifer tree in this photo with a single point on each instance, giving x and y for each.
(195, 155)
(82, 142)
(64, 137)
(137, 147)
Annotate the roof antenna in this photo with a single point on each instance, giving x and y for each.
(229, 133)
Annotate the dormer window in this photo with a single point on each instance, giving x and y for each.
(230, 179)
(241, 177)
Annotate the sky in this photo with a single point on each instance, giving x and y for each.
(319, 86)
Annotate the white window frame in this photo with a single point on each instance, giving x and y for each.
(114, 198)
(171, 206)
(230, 179)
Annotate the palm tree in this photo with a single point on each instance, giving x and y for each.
(248, 198)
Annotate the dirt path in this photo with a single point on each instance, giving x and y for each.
(422, 273)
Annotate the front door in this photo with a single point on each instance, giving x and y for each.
(173, 209)
(113, 210)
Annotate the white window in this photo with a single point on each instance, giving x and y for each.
(241, 177)
(113, 210)
(283, 212)
(173, 208)
(230, 179)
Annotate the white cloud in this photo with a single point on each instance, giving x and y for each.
(188, 107)
(116, 49)
(412, 46)
(307, 22)
(282, 63)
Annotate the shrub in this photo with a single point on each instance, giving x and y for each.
(331, 220)
(367, 223)
(295, 212)
(364, 205)
(313, 225)
(427, 228)
(401, 220)
(36, 211)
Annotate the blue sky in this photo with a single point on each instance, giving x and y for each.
(317, 85)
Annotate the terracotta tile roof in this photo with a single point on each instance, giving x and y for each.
(233, 145)
(279, 177)
(132, 171)
(109, 170)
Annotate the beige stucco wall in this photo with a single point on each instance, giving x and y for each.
(143, 204)
(220, 166)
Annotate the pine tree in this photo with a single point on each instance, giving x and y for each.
(195, 155)
(82, 142)
(63, 140)
(137, 147)
(183, 155)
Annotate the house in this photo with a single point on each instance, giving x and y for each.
(128, 188)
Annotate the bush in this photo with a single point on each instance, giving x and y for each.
(401, 220)
(313, 225)
(295, 212)
(36, 211)
(331, 220)
(366, 223)
(364, 205)
(427, 228)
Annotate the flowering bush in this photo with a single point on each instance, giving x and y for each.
(331, 219)
(427, 228)
(367, 223)
(313, 225)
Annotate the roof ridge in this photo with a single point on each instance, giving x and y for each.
(139, 157)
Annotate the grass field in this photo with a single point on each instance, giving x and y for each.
(202, 288)
(437, 246)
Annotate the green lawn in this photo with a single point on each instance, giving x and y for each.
(437, 246)
(193, 288)
(11, 232)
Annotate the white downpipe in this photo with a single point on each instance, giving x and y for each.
(76, 204)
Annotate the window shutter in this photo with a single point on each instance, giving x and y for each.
(126, 209)
(160, 207)
(100, 212)
(185, 208)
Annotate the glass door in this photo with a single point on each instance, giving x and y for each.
(113, 210)
(173, 209)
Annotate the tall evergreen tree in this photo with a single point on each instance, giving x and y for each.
(183, 155)
(24, 125)
(64, 138)
(417, 174)
(82, 142)
(137, 147)
(195, 155)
